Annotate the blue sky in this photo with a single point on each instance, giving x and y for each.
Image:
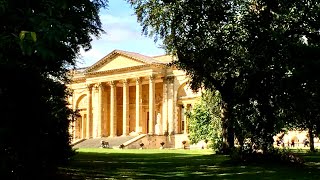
(122, 32)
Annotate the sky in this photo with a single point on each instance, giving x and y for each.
(123, 32)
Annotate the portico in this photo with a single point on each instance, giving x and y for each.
(125, 106)
(126, 94)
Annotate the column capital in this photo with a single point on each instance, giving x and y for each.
(151, 77)
(96, 87)
(112, 83)
(125, 81)
(100, 85)
(138, 80)
(169, 79)
(164, 79)
(89, 87)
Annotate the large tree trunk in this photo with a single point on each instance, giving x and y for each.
(224, 114)
(230, 134)
(311, 139)
(227, 129)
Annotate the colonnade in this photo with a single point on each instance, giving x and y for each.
(92, 125)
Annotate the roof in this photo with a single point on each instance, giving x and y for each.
(139, 57)
(132, 55)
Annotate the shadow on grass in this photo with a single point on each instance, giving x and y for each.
(170, 165)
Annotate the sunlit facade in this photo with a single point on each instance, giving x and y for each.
(127, 93)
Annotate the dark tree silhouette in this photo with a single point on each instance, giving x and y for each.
(39, 43)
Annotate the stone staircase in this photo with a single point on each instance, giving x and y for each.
(114, 142)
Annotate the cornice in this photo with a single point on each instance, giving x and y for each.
(78, 80)
(121, 70)
(109, 57)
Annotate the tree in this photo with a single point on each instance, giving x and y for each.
(192, 42)
(40, 41)
(303, 113)
(205, 121)
(245, 49)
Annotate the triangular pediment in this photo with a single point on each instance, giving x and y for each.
(121, 59)
(119, 62)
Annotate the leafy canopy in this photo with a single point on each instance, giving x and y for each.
(252, 51)
(40, 41)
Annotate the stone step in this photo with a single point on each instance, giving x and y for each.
(114, 142)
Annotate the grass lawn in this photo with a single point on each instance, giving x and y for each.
(178, 164)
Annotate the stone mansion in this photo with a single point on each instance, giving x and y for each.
(126, 94)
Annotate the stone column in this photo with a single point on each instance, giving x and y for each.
(175, 110)
(106, 113)
(138, 104)
(185, 109)
(96, 113)
(151, 104)
(170, 105)
(89, 112)
(113, 109)
(100, 109)
(125, 113)
(165, 107)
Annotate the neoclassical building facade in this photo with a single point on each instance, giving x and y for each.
(126, 93)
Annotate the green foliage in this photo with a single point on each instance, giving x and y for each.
(40, 41)
(205, 120)
(259, 54)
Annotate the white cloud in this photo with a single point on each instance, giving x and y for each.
(122, 32)
(90, 57)
(110, 19)
(118, 29)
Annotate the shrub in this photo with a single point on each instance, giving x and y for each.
(273, 155)
(205, 121)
